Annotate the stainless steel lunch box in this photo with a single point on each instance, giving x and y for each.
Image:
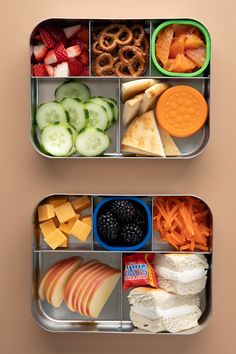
(114, 317)
(42, 91)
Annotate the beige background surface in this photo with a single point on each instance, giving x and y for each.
(26, 177)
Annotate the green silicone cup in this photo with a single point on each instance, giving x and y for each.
(182, 22)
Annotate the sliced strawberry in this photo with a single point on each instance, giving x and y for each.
(50, 57)
(49, 69)
(77, 41)
(57, 33)
(73, 51)
(39, 70)
(84, 58)
(61, 70)
(71, 31)
(60, 52)
(47, 38)
(40, 51)
(75, 66)
(83, 34)
(85, 71)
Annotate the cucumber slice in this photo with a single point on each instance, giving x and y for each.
(72, 89)
(50, 112)
(97, 115)
(107, 105)
(115, 107)
(92, 142)
(76, 112)
(57, 139)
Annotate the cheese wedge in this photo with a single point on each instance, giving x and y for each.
(134, 87)
(143, 134)
(169, 145)
(131, 109)
(151, 96)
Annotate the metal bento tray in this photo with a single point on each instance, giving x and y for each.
(42, 90)
(114, 317)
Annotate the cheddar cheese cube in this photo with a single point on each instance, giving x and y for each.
(87, 220)
(47, 227)
(55, 239)
(45, 212)
(81, 230)
(66, 228)
(56, 201)
(65, 212)
(64, 244)
(81, 203)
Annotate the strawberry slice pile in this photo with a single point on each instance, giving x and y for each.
(61, 52)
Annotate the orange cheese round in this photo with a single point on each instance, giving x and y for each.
(181, 111)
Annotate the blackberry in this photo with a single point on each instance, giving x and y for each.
(131, 234)
(140, 219)
(109, 228)
(124, 210)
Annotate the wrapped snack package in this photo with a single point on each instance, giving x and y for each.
(138, 271)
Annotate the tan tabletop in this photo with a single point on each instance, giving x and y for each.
(26, 177)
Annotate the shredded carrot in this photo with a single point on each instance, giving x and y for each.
(183, 222)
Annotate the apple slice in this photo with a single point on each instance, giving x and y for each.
(99, 293)
(55, 294)
(51, 273)
(83, 281)
(74, 280)
(91, 279)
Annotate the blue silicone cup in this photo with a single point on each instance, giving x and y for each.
(122, 248)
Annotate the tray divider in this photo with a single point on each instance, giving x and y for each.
(90, 48)
(92, 204)
(120, 118)
(152, 239)
(150, 49)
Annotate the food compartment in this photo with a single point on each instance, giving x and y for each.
(63, 222)
(181, 223)
(60, 48)
(205, 296)
(81, 116)
(120, 47)
(101, 284)
(122, 223)
(190, 44)
(142, 136)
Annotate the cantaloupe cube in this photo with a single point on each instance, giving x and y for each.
(81, 203)
(55, 239)
(45, 212)
(65, 212)
(81, 230)
(47, 227)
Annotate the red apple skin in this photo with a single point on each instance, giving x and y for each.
(74, 279)
(95, 287)
(80, 303)
(83, 284)
(50, 289)
(52, 272)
